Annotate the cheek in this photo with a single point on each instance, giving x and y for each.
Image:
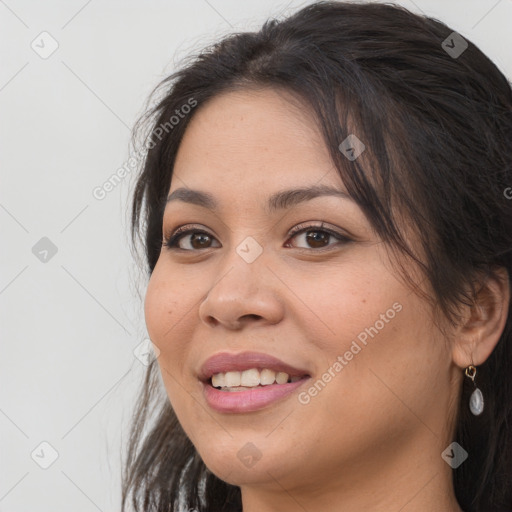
(387, 369)
(381, 331)
(157, 309)
(165, 307)
(169, 306)
(166, 303)
(347, 302)
(162, 313)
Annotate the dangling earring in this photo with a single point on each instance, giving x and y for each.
(476, 402)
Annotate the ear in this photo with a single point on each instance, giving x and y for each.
(480, 330)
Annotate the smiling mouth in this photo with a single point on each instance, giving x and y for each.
(253, 378)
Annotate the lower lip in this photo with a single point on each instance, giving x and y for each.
(249, 400)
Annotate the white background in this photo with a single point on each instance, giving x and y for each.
(69, 325)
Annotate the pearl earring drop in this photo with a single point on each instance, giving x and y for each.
(476, 402)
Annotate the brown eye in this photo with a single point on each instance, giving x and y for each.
(193, 239)
(317, 237)
(199, 240)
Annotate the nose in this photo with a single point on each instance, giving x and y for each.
(244, 293)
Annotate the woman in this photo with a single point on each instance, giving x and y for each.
(324, 212)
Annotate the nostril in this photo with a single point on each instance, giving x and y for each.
(251, 316)
(211, 320)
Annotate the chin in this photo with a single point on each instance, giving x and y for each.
(241, 463)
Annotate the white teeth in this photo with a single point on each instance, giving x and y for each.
(219, 380)
(232, 379)
(239, 388)
(250, 378)
(267, 377)
(282, 378)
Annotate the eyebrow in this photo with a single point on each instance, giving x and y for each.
(277, 201)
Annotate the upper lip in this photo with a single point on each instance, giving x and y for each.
(224, 362)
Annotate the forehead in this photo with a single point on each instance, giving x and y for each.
(254, 137)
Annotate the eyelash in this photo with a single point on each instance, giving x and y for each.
(170, 242)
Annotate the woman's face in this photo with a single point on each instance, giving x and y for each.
(375, 376)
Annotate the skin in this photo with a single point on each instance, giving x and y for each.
(372, 438)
